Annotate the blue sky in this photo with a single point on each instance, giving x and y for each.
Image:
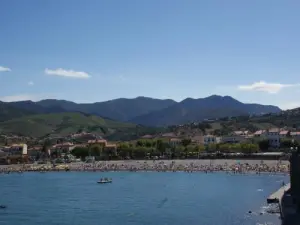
(96, 50)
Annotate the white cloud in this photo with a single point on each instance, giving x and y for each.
(68, 73)
(289, 105)
(271, 88)
(21, 97)
(4, 69)
(30, 83)
(25, 96)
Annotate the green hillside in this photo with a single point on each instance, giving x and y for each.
(61, 124)
(8, 112)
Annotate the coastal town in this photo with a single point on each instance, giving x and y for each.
(180, 145)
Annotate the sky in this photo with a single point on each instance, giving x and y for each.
(98, 50)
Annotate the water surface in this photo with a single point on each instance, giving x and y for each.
(148, 198)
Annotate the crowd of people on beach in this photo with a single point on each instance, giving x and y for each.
(159, 166)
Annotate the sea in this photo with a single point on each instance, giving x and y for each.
(137, 198)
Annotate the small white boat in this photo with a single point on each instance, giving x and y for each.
(104, 181)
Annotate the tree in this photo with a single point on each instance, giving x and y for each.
(225, 147)
(264, 144)
(46, 146)
(287, 143)
(212, 147)
(96, 150)
(80, 152)
(186, 142)
(249, 148)
(124, 150)
(198, 149)
(161, 146)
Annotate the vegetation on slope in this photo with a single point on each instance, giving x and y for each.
(61, 124)
(8, 112)
(286, 119)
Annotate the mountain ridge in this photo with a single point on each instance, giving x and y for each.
(150, 111)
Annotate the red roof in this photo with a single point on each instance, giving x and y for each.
(259, 132)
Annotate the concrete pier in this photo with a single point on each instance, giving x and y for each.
(277, 196)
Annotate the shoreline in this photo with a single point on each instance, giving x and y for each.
(189, 166)
(148, 171)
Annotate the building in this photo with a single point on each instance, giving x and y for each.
(261, 134)
(198, 139)
(295, 135)
(147, 136)
(175, 141)
(34, 151)
(233, 139)
(100, 142)
(16, 150)
(284, 133)
(65, 147)
(210, 139)
(169, 135)
(241, 132)
(15, 153)
(274, 137)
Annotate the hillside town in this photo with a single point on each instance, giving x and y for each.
(84, 145)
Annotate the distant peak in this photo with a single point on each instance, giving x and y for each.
(215, 96)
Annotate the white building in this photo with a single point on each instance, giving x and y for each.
(16, 149)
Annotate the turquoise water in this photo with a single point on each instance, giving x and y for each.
(147, 198)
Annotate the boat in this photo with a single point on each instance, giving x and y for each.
(104, 181)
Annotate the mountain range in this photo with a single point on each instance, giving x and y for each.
(142, 110)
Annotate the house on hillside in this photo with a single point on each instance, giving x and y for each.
(15, 153)
(16, 150)
(168, 135)
(241, 132)
(211, 139)
(274, 137)
(34, 151)
(284, 133)
(97, 142)
(198, 139)
(233, 139)
(295, 135)
(65, 147)
(261, 133)
(175, 141)
(147, 136)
